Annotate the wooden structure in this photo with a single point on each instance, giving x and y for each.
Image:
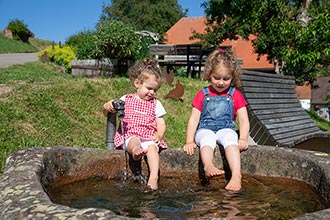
(188, 55)
(275, 113)
(94, 67)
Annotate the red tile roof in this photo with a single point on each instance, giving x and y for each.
(180, 32)
(304, 91)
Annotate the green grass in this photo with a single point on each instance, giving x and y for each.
(45, 108)
(13, 46)
(39, 43)
(321, 123)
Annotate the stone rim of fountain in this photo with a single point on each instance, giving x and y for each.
(29, 172)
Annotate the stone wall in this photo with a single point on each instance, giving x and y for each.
(28, 173)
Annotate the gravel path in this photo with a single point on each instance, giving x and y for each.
(8, 59)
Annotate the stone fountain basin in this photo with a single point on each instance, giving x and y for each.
(29, 172)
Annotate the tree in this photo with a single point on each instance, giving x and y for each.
(152, 15)
(19, 30)
(294, 33)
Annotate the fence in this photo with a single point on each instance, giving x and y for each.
(93, 67)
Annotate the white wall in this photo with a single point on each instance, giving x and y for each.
(306, 104)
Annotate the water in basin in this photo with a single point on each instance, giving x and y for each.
(181, 196)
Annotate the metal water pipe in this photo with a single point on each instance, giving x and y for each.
(110, 130)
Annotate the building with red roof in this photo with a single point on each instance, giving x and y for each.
(320, 97)
(304, 92)
(181, 31)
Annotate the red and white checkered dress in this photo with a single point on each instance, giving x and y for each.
(139, 121)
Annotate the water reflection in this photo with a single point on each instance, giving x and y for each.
(181, 196)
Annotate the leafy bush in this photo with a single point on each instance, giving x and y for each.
(61, 55)
(111, 39)
(84, 44)
(114, 39)
(19, 30)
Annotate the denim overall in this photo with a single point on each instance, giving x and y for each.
(218, 111)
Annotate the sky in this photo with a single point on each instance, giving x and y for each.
(56, 20)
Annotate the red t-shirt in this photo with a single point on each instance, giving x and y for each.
(238, 99)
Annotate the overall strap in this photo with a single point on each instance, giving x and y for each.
(231, 91)
(206, 91)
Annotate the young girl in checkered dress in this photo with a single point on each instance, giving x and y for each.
(212, 119)
(143, 124)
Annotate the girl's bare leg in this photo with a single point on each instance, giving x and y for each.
(234, 159)
(134, 149)
(153, 162)
(207, 155)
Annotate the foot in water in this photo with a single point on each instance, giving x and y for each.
(211, 171)
(234, 184)
(138, 153)
(153, 183)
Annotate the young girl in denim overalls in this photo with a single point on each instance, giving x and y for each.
(143, 124)
(212, 120)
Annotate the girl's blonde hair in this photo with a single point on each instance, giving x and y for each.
(225, 58)
(142, 70)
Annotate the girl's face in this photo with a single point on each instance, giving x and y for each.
(147, 88)
(221, 78)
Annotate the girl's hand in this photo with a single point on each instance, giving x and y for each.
(243, 144)
(189, 148)
(108, 107)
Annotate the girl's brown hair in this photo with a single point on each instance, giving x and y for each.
(142, 69)
(225, 58)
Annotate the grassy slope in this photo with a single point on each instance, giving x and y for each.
(40, 44)
(13, 46)
(45, 108)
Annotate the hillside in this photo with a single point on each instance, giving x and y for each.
(13, 46)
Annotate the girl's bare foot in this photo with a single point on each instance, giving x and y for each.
(138, 153)
(234, 184)
(211, 171)
(153, 183)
